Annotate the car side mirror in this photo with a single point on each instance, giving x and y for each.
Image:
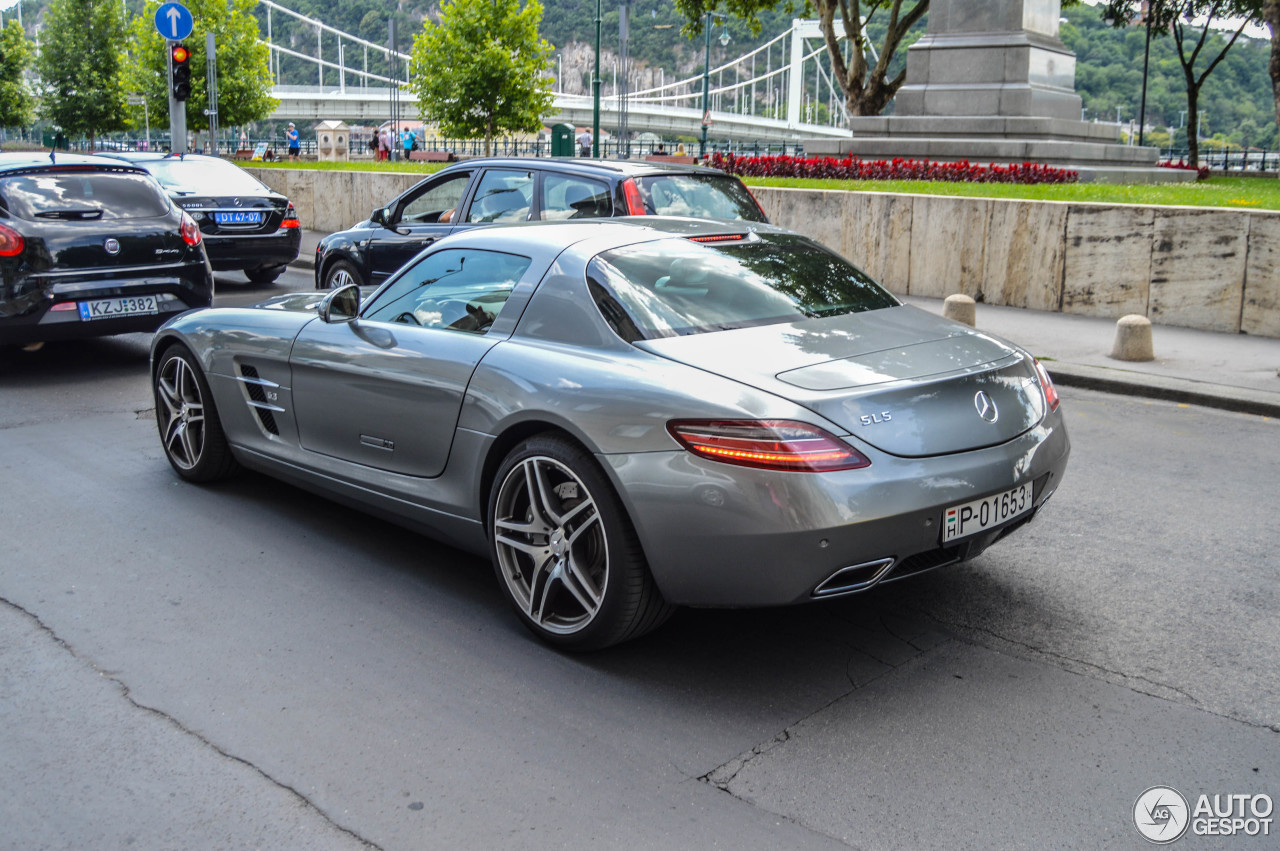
(379, 216)
(341, 305)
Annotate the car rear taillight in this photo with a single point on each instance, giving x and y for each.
(719, 237)
(767, 445)
(190, 230)
(1046, 384)
(635, 202)
(11, 242)
(290, 218)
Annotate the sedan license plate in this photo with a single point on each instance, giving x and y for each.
(970, 518)
(110, 308)
(237, 217)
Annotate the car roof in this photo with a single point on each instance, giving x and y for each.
(39, 160)
(599, 168)
(156, 156)
(623, 230)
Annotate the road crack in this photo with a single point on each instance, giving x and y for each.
(178, 725)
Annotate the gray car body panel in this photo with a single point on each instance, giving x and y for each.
(714, 534)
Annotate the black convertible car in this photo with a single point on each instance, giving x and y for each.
(91, 246)
(246, 224)
(498, 190)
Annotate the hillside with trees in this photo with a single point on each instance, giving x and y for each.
(1237, 100)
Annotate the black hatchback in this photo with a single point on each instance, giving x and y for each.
(494, 190)
(91, 246)
(246, 224)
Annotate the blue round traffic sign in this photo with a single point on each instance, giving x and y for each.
(174, 21)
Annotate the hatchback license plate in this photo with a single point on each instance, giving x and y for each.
(237, 218)
(110, 308)
(970, 518)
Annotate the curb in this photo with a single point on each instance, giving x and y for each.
(1186, 391)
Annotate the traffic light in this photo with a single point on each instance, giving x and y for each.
(180, 71)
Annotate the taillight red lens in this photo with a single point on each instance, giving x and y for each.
(290, 223)
(1046, 384)
(190, 231)
(290, 218)
(635, 202)
(767, 444)
(11, 242)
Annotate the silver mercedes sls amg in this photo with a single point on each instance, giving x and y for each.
(629, 416)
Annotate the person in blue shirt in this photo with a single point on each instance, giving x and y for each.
(295, 146)
(409, 141)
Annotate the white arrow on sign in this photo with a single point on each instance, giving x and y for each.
(174, 16)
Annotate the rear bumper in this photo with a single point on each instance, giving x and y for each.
(716, 535)
(178, 288)
(252, 251)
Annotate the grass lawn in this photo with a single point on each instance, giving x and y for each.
(1241, 192)
(1238, 192)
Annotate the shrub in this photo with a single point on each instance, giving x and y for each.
(1202, 172)
(852, 168)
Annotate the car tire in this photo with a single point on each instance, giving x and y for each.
(339, 274)
(565, 553)
(264, 274)
(190, 431)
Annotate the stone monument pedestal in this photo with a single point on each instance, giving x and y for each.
(991, 82)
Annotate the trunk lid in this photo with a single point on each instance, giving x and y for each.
(905, 381)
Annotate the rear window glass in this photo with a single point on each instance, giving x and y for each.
(72, 196)
(203, 177)
(704, 196)
(673, 287)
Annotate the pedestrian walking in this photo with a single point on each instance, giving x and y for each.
(584, 143)
(408, 141)
(384, 144)
(295, 145)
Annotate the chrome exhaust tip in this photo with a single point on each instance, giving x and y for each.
(857, 577)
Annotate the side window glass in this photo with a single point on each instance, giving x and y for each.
(436, 203)
(502, 196)
(567, 197)
(459, 289)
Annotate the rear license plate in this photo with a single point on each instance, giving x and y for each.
(237, 217)
(110, 308)
(970, 518)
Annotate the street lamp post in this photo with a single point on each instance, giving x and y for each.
(1146, 60)
(706, 79)
(595, 92)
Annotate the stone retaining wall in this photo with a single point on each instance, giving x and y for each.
(1195, 267)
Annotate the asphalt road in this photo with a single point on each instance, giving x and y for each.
(246, 665)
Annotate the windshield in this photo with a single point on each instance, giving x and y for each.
(673, 286)
(704, 196)
(82, 195)
(206, 177)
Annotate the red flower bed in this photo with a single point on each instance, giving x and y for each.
(1202, 172)
(852, 168)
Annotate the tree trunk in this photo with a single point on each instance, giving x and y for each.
(1193, 122)
(1271, 15)
(867, 90)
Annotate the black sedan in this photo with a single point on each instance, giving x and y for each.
(91, 246)
(246, 225)
(498, 190)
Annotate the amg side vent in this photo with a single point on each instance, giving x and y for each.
(255, 385)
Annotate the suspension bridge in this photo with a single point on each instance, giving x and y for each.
(781, 91)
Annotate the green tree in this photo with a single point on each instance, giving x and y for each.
(1194, 44)
(867, 87)
(244, 78)
(1271, 14)
(81, 67)
(479, 71)
(17, 105)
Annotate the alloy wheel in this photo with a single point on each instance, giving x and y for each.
(550, 543)
(182, 411)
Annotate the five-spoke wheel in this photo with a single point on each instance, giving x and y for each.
(189, 429)
(564, 550)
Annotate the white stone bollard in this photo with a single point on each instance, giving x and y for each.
(1133, 339)
(961, 308)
